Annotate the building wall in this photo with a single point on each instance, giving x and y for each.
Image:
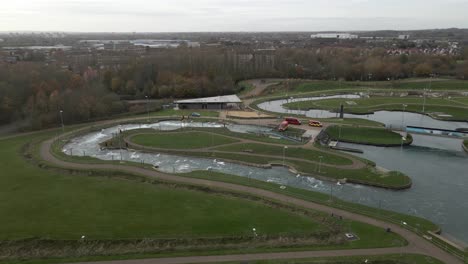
(212, 106)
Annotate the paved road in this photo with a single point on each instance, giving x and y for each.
(416, 244)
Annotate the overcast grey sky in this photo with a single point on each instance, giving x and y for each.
(230, 15)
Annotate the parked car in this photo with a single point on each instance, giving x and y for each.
(315, 123)
(293, 121)
(195, 114)
(283, 126)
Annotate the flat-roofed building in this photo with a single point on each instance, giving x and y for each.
(215, 102)
(334, 36)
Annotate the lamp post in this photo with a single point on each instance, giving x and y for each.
(120, 143)
(424, 100)
(339, 134)
(147, 107)
(61, 120)
(425, 94)
(403, 117)
(284, 153)
(320, 163)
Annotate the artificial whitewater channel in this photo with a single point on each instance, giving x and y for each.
(437, 166)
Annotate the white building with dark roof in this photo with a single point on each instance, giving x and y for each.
(215, 102)
(334, 36)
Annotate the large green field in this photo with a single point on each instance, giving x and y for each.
(366, 135)
(182, 140)
(45, 204)
(456, 107)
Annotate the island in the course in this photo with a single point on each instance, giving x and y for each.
(368, 136)
(249, 149)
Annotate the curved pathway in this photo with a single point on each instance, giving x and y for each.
(416, 244)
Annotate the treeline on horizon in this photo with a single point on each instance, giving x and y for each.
(34, 93)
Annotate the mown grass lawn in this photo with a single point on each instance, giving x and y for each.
(364, 135)
(295, 152)
(248, 136)
(181, 140)
(44, 204)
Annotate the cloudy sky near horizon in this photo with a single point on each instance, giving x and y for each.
(229, 15)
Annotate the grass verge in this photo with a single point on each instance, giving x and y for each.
(367, 136)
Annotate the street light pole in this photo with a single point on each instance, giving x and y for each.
(403, 117)
(284, 153)
(424, 101)
(61, 120)
(320, 163)
(120, 143)
(147, 107)
(425, 94)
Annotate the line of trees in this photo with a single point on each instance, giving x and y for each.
(36, 93)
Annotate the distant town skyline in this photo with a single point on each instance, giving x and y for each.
(230, 15)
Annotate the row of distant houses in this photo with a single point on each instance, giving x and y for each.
(348, 36)
(429, 51)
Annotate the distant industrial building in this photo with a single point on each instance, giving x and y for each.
(216, 102)
(334, 36)
(403, 37)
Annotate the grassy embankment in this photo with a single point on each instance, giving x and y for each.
(387, 259)
(456, 107)
(309, 164)
(367, 136)
(383, 259)
(245, 88)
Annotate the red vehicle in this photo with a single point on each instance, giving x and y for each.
(283, 126)
(292, 121)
